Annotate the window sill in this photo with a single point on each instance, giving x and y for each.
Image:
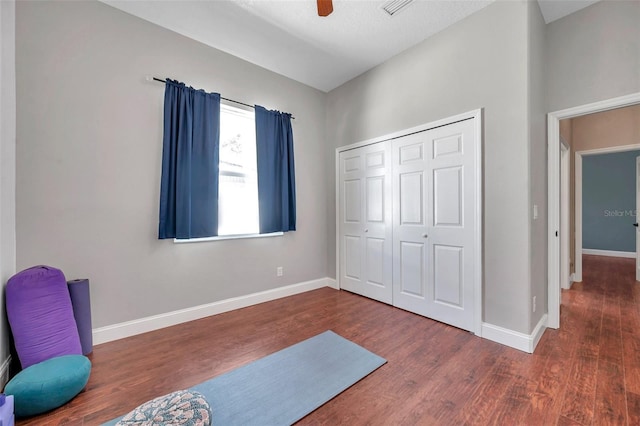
(227, 237)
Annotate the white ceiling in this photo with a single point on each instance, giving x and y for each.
(289, 38)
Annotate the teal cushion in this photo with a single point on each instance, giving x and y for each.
(48, 384)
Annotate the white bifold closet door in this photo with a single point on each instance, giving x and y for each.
(364, 221)
(407, 228)
(434, 202)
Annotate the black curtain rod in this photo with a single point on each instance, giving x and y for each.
(226, 99)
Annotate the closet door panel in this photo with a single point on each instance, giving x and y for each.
(352, 200)
(365, 222)
(447, 195)
(352, 257)
(411, 261)
(350, 216)
(451, 231)
(447, 270)
(411, 268)
(375, 200)
(434, 201)
(375, 261)
(411, 198)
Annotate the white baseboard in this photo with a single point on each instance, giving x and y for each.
(523, 342)
(570, 282)
(4, 372)
(611, 253)
(565, 285)
(155, 322)
(538, 331)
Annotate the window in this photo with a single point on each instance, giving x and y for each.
(224, 203)
(238, 179)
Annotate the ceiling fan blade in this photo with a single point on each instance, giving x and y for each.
(325, 7)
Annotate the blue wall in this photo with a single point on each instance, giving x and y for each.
(609, 201)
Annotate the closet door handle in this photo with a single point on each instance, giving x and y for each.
(425, 235)
(366, 230)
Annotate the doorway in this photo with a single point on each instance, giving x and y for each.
(556, 244)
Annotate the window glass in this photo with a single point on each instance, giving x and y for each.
(238, 181)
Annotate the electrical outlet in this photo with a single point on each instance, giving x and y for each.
(279, 271)
(534, 303)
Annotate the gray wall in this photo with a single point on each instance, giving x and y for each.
(537, 164)
(7, 162)
(88, 162)
(593, 54)
(480, 62)
(609, 201)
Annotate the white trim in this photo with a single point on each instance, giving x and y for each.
(521, 341)
(4, 372)
(537, 332)
(337, 222)
(479, 220)
(565, 189)
(155, 322)
(553, 192)
(577, 219)
(332, 283)
(476, 115)
(609, 150)
(611, 253)
(226, 237)
(553, 221)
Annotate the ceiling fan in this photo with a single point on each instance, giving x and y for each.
(325, 7)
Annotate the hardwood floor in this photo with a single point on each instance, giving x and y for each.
(588, 372)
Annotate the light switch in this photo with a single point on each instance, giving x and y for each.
(535, 211)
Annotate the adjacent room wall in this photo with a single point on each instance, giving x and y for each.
(565, 131)
(593, 55)
(481, 62)
(7, 169)
(607, 129)
(609, 201)
(89, 154)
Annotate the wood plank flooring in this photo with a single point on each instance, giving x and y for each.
(587, 372)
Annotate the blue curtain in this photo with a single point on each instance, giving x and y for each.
(276, 171)
(190, 157)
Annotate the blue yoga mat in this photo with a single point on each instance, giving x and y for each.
(285, 386)
(81, 302)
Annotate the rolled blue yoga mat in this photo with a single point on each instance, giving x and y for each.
(81, 301)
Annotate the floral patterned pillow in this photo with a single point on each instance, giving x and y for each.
(184, 408)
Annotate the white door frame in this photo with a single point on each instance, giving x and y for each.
(578, 206)
(477, 116)
(565, 186)
(553, 194)
(636, 222)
